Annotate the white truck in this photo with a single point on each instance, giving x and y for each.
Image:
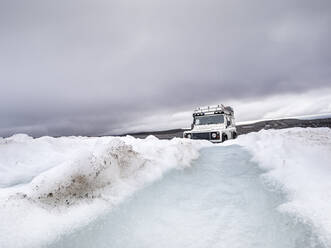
(213, 123)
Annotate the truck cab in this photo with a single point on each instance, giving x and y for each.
(213, 123)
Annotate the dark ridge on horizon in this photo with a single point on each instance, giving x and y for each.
(241, 129)
(244, 128)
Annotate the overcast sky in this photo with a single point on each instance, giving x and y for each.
(77, 67)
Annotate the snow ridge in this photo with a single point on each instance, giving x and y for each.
(67, 182)
(298, 162)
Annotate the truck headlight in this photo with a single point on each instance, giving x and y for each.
(215, 135)
(188, 135)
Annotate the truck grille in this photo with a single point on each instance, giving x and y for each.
(205, 136)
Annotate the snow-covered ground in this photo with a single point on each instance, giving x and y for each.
(50, 187)
(298, 162)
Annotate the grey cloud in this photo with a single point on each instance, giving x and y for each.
(88, 67)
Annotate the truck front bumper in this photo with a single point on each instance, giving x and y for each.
(213, 136)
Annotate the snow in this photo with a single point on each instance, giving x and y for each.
(219, 202)
(51, 186)
(297, 161)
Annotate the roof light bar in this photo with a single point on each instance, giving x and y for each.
(217, 109)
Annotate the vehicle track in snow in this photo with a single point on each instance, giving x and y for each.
(220, 201)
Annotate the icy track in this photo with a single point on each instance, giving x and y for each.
(265, 189)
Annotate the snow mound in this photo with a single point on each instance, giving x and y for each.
(87, 178)
(298, 162)
(50, 186)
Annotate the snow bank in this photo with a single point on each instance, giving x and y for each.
(298, 162)
(50, 186)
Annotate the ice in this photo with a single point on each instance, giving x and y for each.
(67, 182)
(265, 189)
(298, 162)
(218, 202)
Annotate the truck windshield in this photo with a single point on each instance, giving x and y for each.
(211, 119)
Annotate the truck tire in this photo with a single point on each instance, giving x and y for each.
(234, 135)
(224, 137)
